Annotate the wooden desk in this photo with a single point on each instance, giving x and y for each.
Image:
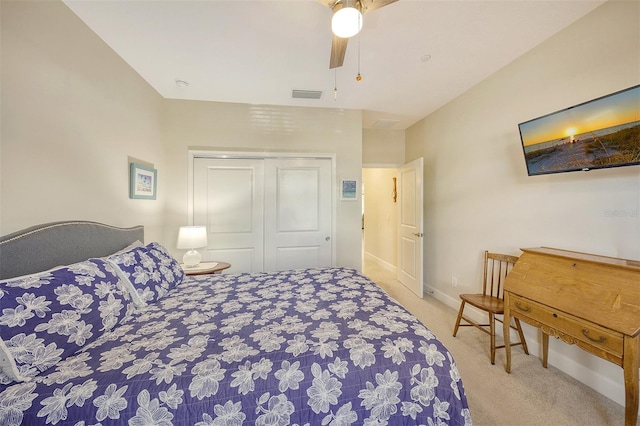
(206, 268)
(583, 299)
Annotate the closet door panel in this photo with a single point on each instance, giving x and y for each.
(297, 198)
(297, 213)
(228, 199)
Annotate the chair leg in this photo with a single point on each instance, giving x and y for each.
(455, 328)
(492, 328)
(524, 343)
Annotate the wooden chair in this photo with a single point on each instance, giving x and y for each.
(496, 268)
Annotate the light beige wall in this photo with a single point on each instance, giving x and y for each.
(73, 112)
(383, 147)
(381, 217)
(477, 192)
(228, 127)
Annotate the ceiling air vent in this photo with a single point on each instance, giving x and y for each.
(385, 123)
(306, 94)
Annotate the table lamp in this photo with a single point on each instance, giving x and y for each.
(192, 238)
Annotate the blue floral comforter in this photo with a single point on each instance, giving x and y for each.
(304, 347)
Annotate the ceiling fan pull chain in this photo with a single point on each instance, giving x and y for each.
(358, 77)
(335, 84)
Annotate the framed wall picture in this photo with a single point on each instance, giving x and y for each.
(142, 182)
(348, 190)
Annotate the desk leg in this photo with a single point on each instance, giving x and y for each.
(507, 332)
(545, 349)
(630, 363)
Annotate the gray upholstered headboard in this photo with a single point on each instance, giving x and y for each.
(43, 247)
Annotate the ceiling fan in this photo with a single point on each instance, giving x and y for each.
(352, 11)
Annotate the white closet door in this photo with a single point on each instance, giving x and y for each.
(228, 199)
(298, 208)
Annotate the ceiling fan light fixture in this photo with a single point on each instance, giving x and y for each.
(347, 21)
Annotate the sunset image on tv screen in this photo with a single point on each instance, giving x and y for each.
(604, 132)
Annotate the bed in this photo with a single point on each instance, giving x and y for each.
(98, 328)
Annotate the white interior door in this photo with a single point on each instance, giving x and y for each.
(297, 213)
(228, 198)
(410, 245)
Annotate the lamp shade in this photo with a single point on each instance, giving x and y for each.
(192, 237)
(346, 22)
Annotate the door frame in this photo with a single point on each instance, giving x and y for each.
(201, 153)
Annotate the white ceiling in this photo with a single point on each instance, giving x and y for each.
(257, 52)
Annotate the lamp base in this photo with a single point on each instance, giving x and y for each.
(192, 258)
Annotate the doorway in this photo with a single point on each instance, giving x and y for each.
(380, 231)
(393, 222)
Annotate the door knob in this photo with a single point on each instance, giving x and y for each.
(418, 234)
(327, 238)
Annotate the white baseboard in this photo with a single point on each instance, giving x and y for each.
(600, 375)
(382, 263)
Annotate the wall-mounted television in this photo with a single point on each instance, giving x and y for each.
(601, 133)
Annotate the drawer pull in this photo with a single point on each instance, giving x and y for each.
(585, 332)
(522, 308)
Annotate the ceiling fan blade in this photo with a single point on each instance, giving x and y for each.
(369, 5)
(338, 49)
(328, 3)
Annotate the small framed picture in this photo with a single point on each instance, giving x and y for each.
(348, 190)
(142, 182)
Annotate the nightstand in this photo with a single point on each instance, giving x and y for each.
(206, 268)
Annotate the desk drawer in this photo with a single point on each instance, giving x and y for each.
(567, 327)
